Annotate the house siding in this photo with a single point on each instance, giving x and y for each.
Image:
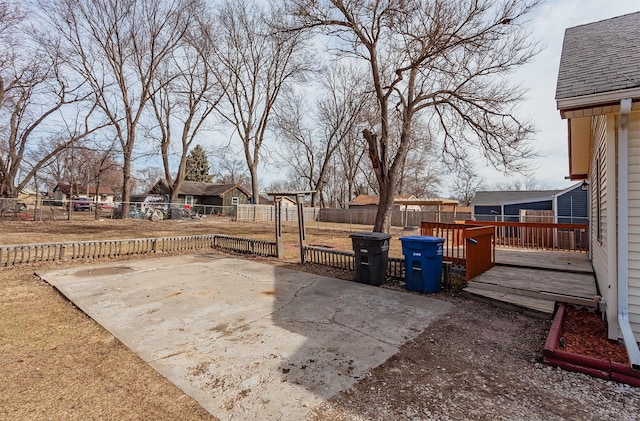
(600, 237)
(634, 223)
(572, 207)
(512, 212)
(227, 198)
(484, 213)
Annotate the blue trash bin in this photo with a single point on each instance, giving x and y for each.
(422, 262)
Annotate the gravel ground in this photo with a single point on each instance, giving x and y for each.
(478, 362)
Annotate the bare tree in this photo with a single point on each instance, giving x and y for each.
(517, 184)
(146, 177)
(231, 170)
(312, 135)
(421, 172)
(34, 91)
(119, 47)
(420, 175)
(350, 164)
(254, 63)
(465, 185)
(85, 163)
(436, 60)
(185, 94)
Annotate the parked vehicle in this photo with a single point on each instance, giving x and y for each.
(81, 203)
(156, 207)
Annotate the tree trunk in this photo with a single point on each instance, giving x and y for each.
(385, 207)
(126, 185)
(255, 192)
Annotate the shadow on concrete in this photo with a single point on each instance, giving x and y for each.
(247, 340)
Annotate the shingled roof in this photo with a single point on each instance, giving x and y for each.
(600, 57)
(488, 198)
(194, 188)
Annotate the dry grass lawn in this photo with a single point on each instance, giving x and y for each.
(57, 363)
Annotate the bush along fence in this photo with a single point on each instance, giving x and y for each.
(84, 250)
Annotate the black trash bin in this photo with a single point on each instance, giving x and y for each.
(371, 256)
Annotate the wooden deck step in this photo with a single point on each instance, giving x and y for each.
(532, 306)
(572, 288)
(543, 295)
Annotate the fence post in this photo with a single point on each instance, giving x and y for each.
(61, 257)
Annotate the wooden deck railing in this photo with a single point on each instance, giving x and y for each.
(526, 235)
(453, 234)
(480, 249)
(465, 244)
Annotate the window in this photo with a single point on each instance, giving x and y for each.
(235, 200)
(188, 200)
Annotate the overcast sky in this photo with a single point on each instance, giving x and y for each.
(539, 77)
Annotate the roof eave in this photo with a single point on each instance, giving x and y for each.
(602, 98)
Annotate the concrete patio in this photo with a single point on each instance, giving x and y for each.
(247, 340)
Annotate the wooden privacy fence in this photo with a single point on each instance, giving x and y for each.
(50, 252)
(399, 218)
(267, 213)
(540, 236)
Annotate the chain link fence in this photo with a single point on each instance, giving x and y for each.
(52, 210)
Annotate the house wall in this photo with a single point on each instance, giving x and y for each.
(201, 200)
(511, 212)
(603, 217)
(227, 199)
(572, 207)
(634, 223)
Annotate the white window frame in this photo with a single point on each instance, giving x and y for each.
(188, 200)
(235, 200)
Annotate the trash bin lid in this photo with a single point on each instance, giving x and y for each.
(370, 235)
(422, 239)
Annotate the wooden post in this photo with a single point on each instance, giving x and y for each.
(301, 227)
(277, 200)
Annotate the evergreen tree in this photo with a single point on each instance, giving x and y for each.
(198, 166)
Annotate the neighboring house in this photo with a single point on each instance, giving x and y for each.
(365, 201)
(66, 192)
(569, 206)
(286, 201)
(598, 93)
(197, 193)
(29, 198)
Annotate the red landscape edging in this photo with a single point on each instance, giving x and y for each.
(597, 367)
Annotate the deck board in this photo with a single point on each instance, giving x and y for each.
(543, 306)
(537, 279)
(545, 259)
(562, 283)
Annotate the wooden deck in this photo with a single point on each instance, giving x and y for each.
(565, 261)
(534, 281)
